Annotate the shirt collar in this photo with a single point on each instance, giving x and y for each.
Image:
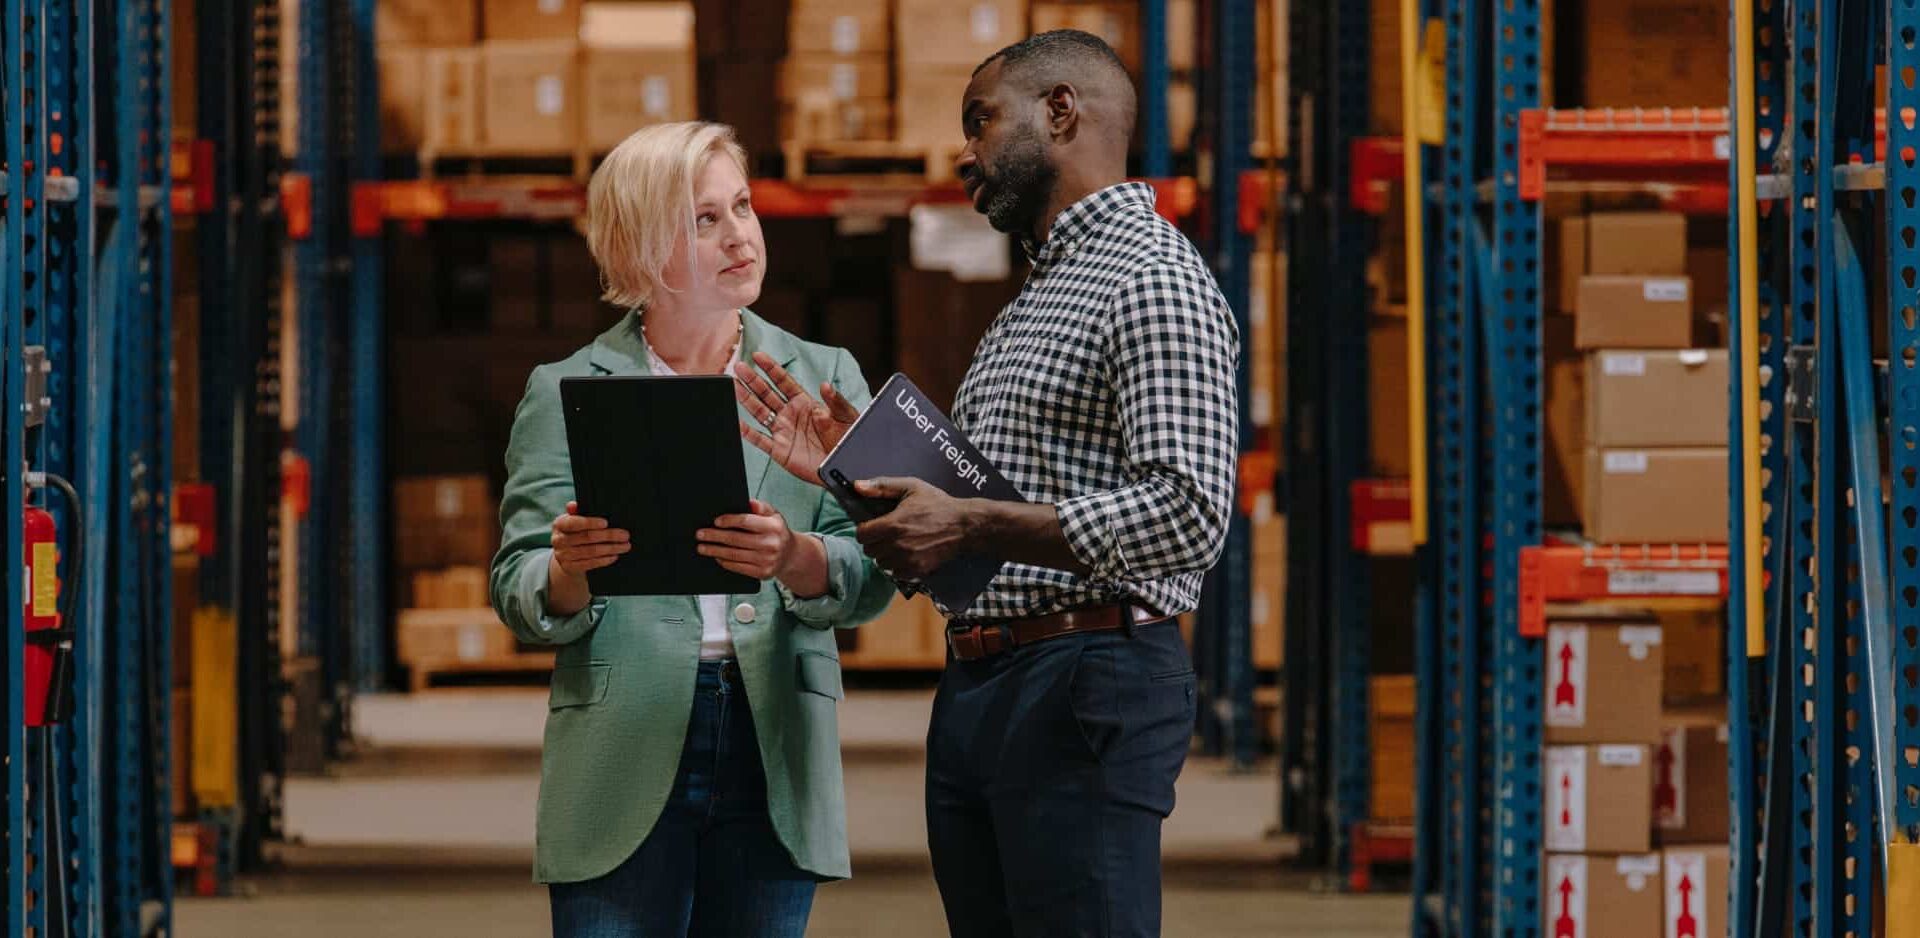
(1077, 221)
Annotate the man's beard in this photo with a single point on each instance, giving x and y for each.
(1020, 183)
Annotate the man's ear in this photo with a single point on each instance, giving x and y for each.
(1063, 109)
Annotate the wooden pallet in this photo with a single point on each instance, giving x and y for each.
(457, 164)
(851, 162)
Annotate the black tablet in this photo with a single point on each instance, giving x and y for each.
(660, 457)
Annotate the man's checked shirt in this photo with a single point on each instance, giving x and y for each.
(1107, 390)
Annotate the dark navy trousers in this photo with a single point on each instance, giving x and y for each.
(1050, 769)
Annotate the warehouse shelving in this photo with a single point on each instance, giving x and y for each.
(88, 273)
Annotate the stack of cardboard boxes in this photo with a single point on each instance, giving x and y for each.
(937, 45)
(1634, 795)
(836, 82)
(1649, 454)
(530, 77)
(445, 534)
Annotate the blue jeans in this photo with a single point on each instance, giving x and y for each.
(1049, 771)
(712, 867)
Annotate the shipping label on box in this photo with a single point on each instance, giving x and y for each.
(1597, 799)
(1632, 398)
(838, 27)
(1602, 897)
(1597, 676)
(1696, 892)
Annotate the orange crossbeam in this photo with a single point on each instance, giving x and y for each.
(1651, 571)
(374, 203)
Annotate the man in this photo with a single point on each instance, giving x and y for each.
(1105, 394)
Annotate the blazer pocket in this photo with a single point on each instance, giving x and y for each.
(579, 685)
(820, 674)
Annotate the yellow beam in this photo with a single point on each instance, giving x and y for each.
(1412, 41)
(1746, 203)
(216, 708)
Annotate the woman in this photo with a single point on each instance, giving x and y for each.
(691, 777)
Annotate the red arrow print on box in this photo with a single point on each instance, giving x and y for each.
(1563, 689)
(1685, 926)
(1664, 797)
(1566, 799)
(1563, 924)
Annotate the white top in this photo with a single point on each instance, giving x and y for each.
(716, 638)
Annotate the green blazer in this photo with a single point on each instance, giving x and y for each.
(623, 679)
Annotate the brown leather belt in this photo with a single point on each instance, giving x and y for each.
(974, 640)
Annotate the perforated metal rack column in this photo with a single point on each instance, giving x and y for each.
(18, 84)
(366, 356)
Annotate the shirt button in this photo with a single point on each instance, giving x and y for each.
(743, 613)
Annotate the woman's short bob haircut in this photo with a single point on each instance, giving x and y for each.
(641, 199)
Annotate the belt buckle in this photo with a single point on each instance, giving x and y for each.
(971, 642)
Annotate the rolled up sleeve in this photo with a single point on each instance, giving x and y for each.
(1171, 354)
(539, 485)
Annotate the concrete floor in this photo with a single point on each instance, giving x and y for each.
(428, 834)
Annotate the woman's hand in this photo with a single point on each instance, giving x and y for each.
(760, 545)
(795, 430)
(580, 544)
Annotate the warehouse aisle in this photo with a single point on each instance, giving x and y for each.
(427, 834)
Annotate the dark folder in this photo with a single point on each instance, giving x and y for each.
(902, 434)
(661, 458)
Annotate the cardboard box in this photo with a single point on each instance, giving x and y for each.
(1602, 897)
(1387, 418)
(638, 25)
(1268, 603)
(443, 636)
(1390, 720)
(927, 106)
(426, 22)
(1564, 413)
(1690, 797)
(1657, 496)
(1695, 649)
(1619, 311)
(838, 27)
(944, 33)
(1266, 341)
(828, 121)
(442, 521)
(1182, 21)
(838, 78)
(1696, 891)
(1117, 23)
(1572, 255)
(532, 97)
(626, 89)
(1598, 672)
(908, 635)
(452, 122)
(1639, 243)
(1597, 799)
(530, 20)
(403, 97)
(1657, 398)
(1655, 53)
(463, 587)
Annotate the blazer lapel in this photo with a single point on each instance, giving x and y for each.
(621, 350)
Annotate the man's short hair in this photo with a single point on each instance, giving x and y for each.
(1059, 47)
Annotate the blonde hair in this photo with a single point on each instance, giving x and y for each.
(641, 198)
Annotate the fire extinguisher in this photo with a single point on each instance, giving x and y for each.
(48, 662)
(42, 610)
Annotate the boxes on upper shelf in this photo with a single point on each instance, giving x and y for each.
(403, 96)
(426, 22)
(637, 68)
(453, 92)
(532, 101)
(1674, 495)
(1597, 799)
(827, 98)
(927, 105)
(838, 27)
(1645, 397)
(1655, 54)
(1598, 668)
(1117, 23)
(442, 521)
(524, 20)
(952, 34)
(1602, 896)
